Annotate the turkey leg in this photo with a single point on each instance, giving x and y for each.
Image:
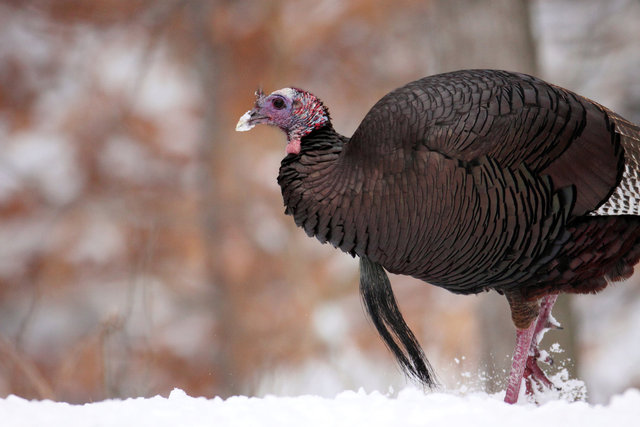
(526, 354)
(545, 321)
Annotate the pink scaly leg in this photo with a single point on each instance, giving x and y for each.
(544, 322)
(526, 354)
(532, 372)
(524, 338)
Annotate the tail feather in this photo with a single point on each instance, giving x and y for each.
(625, 199)
(383, 310)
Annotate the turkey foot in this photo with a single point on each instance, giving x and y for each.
(526, 354)
(534, 378)
(533, 375)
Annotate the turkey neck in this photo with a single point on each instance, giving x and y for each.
(314, 185)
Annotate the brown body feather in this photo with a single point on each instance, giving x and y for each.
(472, 181)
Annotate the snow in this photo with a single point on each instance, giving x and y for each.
(410, 407)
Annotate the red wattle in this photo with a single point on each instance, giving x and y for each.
(293, 147)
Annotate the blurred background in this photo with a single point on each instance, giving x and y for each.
(143, 244)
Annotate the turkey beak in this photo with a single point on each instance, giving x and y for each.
(249, 120)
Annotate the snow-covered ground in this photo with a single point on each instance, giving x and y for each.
(409, 408)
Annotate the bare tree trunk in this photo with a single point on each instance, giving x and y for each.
(483, 34)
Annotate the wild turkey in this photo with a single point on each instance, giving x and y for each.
(473, 180)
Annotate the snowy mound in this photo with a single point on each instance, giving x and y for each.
(410, 408)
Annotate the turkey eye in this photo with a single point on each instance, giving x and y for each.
(278, 103)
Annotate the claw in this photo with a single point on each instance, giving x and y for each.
(548, 360)
(543, 357)
(553, 325)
